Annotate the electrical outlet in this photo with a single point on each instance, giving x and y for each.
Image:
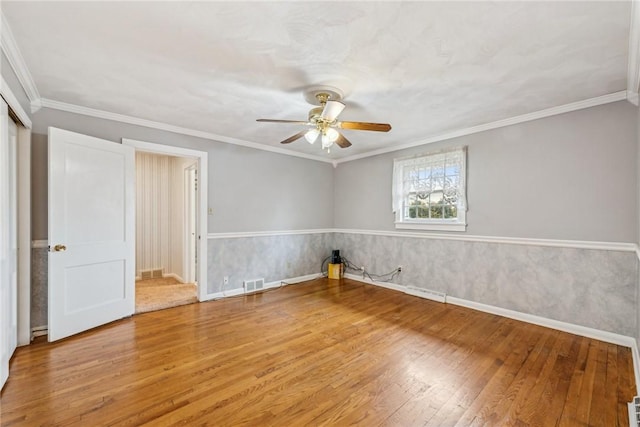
(210, 211)
(225, 280)
(362, 269)
(399, 268)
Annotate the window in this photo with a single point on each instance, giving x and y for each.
(429, 191)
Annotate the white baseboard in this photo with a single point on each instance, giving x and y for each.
(636, 365)
(388, 285)
(269, 285)
(294, 280)
(425, 293)
(571, 328)
(584, 331)
(175, 276)
(39, 331)
(223, 294)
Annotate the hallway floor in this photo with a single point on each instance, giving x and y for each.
(158, 294)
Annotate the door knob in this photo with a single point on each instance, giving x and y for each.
(59, 248)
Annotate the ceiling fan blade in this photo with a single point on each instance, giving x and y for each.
(294, 137)
(332, 110)
(376, 127)
(342, 141)
(299, 122)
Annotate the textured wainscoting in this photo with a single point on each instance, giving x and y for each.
(39, 287)
(587, 287)
(269, 257)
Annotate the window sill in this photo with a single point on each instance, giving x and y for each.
(432, 227)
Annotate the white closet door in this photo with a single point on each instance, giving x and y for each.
(8, 242)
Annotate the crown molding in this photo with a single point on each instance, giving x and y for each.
(77, 109)
(12, 52)
(13, 103)
(633, 66)
(36, 105)
(574, 106)
(587, 103)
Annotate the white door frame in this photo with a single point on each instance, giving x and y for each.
(24, 213)
(190, 226)
(202, 159)
(5, 231)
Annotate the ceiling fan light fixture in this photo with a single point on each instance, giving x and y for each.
(323, 121)
(311, 135)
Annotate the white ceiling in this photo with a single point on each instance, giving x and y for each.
(426, 68)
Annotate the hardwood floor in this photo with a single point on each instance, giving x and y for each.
(320, 353)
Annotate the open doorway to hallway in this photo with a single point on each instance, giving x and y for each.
(166, 243)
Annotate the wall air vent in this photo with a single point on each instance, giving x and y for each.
(253, 285)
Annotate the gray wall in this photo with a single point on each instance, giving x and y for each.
(39, 191)
(249, 190)
(270, 257)
(568, 177)
(572, 176)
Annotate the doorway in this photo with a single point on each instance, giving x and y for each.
(201, 166)
(166, 254)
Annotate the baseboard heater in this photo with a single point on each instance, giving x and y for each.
(426, 293)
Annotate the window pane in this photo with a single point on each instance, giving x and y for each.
(431, 186)
(450, 211)
(418, 210)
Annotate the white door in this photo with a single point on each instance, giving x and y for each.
(12, 241)
(5, 218)
(91, 232)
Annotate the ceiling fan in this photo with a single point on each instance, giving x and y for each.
(323, 120)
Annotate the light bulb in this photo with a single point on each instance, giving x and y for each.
(332, 134)
(311, 135)
(326, 141)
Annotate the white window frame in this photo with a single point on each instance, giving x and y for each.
(398, 194)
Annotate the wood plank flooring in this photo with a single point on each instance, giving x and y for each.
(319, 353)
